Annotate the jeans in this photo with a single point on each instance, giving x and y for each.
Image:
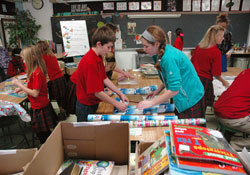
(82, 111)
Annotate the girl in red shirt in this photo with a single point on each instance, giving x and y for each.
(179, 42)
(43, 116)
(57, 84)
(207, 61)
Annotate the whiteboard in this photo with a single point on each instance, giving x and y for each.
(75, 37)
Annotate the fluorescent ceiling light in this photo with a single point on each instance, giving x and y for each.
(155, 16)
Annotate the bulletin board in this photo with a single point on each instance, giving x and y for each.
(194, 27)
(75, 37)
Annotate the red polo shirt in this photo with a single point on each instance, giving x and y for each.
(234, 103)
(90, 78)
(179, 43)
(207, 62)
(52, 65)
(73, 77)
(38, 81)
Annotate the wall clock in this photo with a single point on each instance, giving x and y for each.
(37, 4)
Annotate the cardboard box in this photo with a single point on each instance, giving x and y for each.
(13, 161)
(109, 141)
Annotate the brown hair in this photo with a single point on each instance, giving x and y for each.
(33, 59)
(222, 17)
(159, 35)
(44, 48)
(103, 34)
(210, 35)
(112, 26)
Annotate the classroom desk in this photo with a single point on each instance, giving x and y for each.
(148, 133)
(9, 98)
(232, 71)
(240, 55)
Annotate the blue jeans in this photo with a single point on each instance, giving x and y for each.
(223, 63)
(82, 111)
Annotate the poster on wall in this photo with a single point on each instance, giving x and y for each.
(133, 5)
(108, 6)
(131, 28)
(75, 37)
(245, 5)
(215, 5)
(171, 5)
(205, 6)
(186, 5)
(236, 6)
(157, 5)
(121, 6)
(224, 5)
(146, 5)
(196, 5)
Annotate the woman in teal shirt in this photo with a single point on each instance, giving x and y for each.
(177, 74)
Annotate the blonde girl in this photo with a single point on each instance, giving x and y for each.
(43, 116)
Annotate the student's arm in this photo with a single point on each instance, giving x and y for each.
(111, 86)
(33, 92)
(161, 99)
(126, 74)
(152, 94)
(104, 97)
(224, 82)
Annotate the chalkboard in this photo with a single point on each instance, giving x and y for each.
(91, 21)
(194, 27)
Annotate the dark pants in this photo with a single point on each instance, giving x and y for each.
(82, 111)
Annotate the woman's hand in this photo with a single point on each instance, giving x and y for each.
(144, 104)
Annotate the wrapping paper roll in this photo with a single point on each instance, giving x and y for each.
(161, 123)
(95, 117)
(139, 91)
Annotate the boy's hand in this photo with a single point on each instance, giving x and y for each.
(121, 106)
(124, 98)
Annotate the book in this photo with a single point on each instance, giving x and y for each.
(154, 160)
(244, 157)
(195, 142)
(89, 167)
(173, 168)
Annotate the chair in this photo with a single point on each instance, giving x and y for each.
(5, 123)
(229, 132)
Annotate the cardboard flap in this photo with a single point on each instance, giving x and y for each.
(14, 162)
(111, 140)
(49, 157)
(112, 143)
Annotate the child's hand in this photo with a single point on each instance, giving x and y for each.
(144, 104)
(226, 84)
(121, 106)
(17, 90)
(124, 98)
(16, 82)
(128, 75)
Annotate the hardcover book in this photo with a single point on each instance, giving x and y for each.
(173, 168)
(89, 167)
(199, 143)
(153, 160)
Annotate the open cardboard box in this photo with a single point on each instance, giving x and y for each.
(14, 161)
(85, 140)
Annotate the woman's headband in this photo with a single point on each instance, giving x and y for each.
(148, 36)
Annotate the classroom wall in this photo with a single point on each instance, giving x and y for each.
(42, 17)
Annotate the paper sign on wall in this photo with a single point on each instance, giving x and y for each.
(75, 37)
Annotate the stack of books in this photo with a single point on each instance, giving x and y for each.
(199, 150)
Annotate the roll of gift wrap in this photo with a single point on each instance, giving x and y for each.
(162, 123)
(95, 117)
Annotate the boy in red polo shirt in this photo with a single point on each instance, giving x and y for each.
(92, 77)
(233, 108)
